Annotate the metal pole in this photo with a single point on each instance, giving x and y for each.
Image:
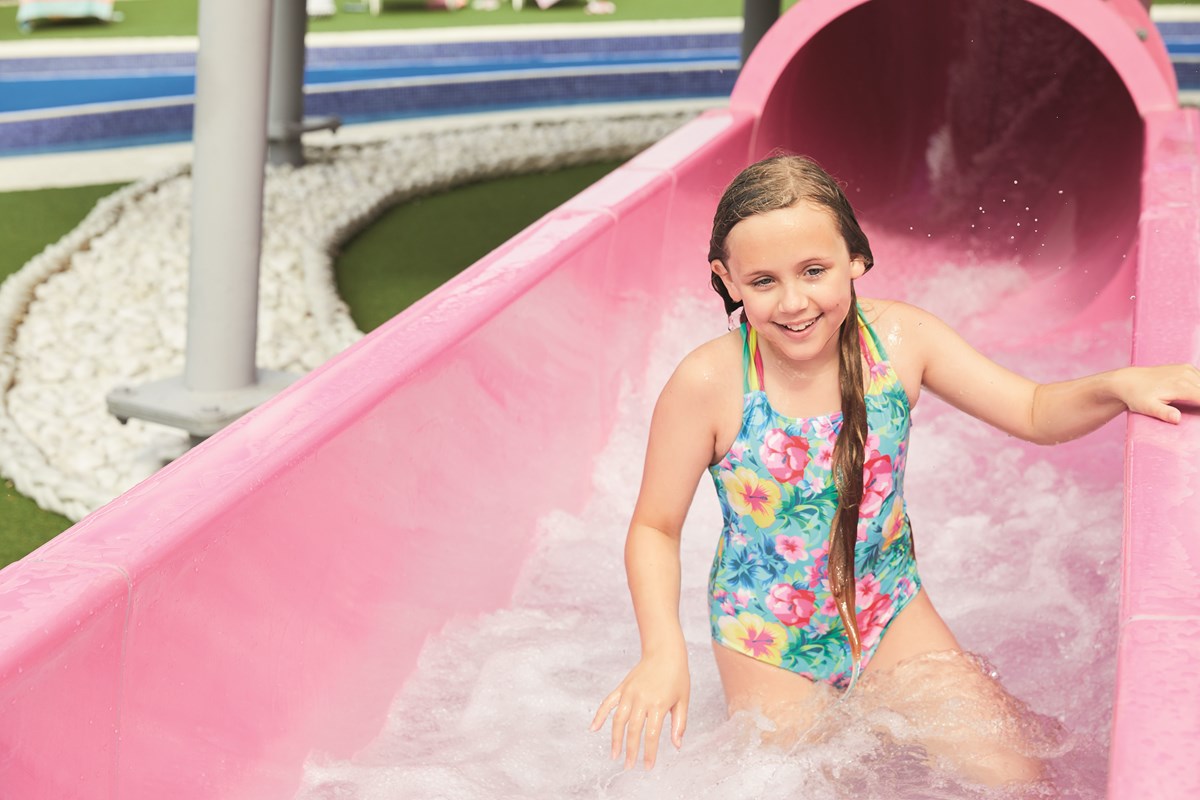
(759, 15)
(220, 381)
(230, 139)
(286, 103)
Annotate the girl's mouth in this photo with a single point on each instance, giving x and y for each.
(802, 327)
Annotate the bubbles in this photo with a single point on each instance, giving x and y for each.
(1021, 560)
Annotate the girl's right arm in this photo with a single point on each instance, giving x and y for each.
(681, 446)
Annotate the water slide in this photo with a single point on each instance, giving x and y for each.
(265, 596)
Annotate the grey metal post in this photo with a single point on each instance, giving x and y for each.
(759, 15)
(286, 105)
(220, 381)
(230, 139)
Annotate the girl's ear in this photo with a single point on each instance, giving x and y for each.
(858, 267)
(721, 271)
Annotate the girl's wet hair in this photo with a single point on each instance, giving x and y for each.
(782, 181)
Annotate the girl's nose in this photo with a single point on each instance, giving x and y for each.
(794, 298)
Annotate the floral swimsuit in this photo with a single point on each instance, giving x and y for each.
(769, 593)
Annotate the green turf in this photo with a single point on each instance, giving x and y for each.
(416, 247)
(178, 17)
(28, 222)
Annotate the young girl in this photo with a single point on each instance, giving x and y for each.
(802, 416)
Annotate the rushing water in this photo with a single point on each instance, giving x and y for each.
(1018, 547)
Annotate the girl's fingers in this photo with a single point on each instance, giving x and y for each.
(653, 728)
(679, 722)
(633, 736)
(620, 720)
(602, 713)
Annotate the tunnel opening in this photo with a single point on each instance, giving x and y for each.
(978, 129)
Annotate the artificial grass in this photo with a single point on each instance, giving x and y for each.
(178, 17)
(415, 247)
(28, 222)
(409, 251)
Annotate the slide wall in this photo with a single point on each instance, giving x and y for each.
(265, 595)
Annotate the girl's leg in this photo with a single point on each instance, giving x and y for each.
(790, 701)
(961, 714)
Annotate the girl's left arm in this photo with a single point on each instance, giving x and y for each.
(1042, 413)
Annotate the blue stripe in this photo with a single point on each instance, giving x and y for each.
(25, 95)
(28, 84)
(173, 122)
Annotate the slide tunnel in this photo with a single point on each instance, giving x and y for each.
(265, 596)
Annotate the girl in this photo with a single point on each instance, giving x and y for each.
(802, 419)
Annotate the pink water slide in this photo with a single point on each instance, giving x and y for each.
(265, 596)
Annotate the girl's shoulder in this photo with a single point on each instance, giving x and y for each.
(880, 311)
(712, 368)
(896, 322)
(906, 334)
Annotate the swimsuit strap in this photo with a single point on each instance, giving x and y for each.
(752, 379)
(872, 348)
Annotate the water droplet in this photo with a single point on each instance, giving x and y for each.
(1133, 297)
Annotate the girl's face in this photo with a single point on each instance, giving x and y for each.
(792, 272)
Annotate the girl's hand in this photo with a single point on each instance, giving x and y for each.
(1154, 391)
(657, 684)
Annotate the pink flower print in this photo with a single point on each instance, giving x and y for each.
(824, 457)
(813, 574)
(877, 484)
(875, 609)
(791, 548)
(785, 457)
(877, 376)
(790, 605)
(829, 606)
(824, 428)
(727, 608)
(866, 589)
(742, 597)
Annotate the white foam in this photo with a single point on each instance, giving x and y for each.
(1017, 546)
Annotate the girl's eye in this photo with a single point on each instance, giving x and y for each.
(814, 272)
(760, 282)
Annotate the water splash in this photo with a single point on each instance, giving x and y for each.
(1021, 560)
